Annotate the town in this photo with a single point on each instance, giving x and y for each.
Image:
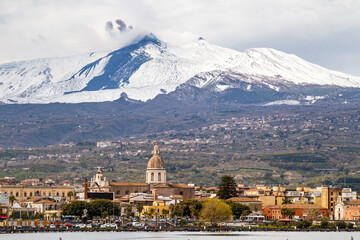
(34, 203)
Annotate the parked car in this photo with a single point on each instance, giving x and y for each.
(52, 226)
(103, 226)
(137, 224)
(80, 225)
(68, 224)
(95, 225)
(112, 225)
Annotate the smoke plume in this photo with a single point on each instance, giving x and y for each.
(121, 26)
(109, 26)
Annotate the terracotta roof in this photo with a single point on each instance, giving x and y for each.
(170, 185)
(45, 201)
(162, 185)
(180, 186)
(298, 206)
(4, 206)
(352, 208)
(242, 199)
(353, 202)
(127, 184)
(176, 197)
(34, 199)
(127, 198)
(142, 200)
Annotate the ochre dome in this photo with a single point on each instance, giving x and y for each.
(155, 161)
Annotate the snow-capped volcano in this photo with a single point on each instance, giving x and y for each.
(150, 67)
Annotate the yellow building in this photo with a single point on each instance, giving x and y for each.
(270, 200)
(158, 206)
(329, 197)
(23, 192)
(50, 214)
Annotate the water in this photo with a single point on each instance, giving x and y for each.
(184, 236)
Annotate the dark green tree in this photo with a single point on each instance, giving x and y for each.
(227, 188)
(39, 215)
(288, 212)
(341, 224)
(304, 224)
(75, 208)
(24, 216)
(139, 208)
(188, 208)
(97, 207)
(324, 223)
(238, 209)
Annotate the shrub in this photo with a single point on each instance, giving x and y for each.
(341, 224)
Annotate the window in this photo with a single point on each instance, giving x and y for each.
(25, 194)
(152, 176)
(332, 193)
(49, 194)
(159, 176)
(331, 199)
(118, 192)
(181, 193)
(30, 194)
(136, 191)
(17, 194)
(127, 192)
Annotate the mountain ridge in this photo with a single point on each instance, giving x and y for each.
(149, 67)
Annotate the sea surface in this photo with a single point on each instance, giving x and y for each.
(184, 236)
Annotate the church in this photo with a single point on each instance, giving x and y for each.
(155, 181)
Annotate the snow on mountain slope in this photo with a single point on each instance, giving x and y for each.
(22, 81)
(150, 67)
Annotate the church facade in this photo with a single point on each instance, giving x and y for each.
(155, 180)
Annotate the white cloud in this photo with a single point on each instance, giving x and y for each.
(43, 28)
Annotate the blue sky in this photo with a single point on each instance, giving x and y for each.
(325, 32)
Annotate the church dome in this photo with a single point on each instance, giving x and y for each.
(156, 161)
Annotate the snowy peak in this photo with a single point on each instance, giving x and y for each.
(149, 67)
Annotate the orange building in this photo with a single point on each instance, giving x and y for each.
(302, 211)
(352, 213)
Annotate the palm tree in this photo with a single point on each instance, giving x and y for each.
(12, 198)
(151, 212)
(139, 208)
(172, 208)
(165, 212)
(128, 210)
(70, 194)
(54, 216)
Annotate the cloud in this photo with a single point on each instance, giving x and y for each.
(317, 30)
